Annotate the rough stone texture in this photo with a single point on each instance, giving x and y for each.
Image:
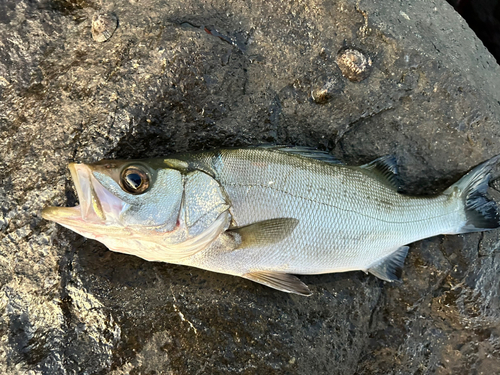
(186, 75)
(483, 17)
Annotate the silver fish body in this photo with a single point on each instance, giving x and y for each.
(267, 213)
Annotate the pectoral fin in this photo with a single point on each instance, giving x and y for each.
(265, 232)
(281, 281)
(390, 267)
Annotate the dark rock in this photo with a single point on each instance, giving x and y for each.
(483, 17)
(185, 75)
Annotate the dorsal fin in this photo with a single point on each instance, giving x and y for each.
(385, 169)
(307, 152)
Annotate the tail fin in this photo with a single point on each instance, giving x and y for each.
(481, 212)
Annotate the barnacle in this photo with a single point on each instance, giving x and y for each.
(354, 64)
(103, 26)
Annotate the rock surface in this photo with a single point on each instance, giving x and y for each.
(483, 17)
(186, 75)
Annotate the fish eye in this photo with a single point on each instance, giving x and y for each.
(134, 180)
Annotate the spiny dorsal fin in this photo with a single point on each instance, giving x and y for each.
(281, 281)
(390, 268)
(307, 152)
(265, 232)
(385, 169)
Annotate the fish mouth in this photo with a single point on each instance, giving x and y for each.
(97, 204)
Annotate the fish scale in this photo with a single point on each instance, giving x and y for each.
(341, 226)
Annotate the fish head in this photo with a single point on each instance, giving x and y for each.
(122, 197)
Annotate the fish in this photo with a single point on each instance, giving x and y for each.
(268, 214)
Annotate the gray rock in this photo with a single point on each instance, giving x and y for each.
(483, 17)
(186, 75)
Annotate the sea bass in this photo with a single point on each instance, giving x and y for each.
(266, 214)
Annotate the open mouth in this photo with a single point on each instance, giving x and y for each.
(97, 205)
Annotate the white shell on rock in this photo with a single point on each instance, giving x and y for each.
(354, 64)
(103, 26)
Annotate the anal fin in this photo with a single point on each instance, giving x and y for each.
(281, 281)
(390, 267)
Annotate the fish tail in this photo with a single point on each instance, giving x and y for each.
(481, 213)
